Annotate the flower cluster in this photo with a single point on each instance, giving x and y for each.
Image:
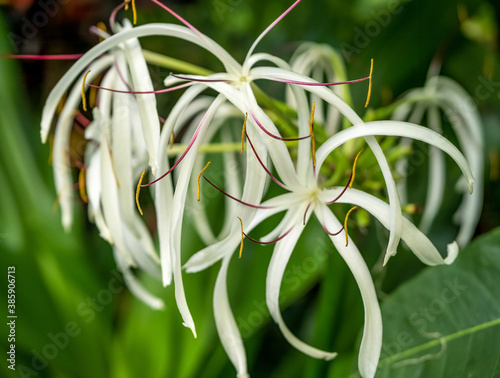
(126, 136)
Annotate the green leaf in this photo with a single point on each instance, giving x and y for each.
(446, 321)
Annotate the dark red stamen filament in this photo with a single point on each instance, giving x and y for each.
(270, 242)
(263, 166)
(341, 193)
(234, 198)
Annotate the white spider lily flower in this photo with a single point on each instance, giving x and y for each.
(443, 95)
(300, 203)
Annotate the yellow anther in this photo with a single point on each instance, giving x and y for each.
(60, 104)
(242, 237)
(369, 85)
(172, 139)
(345, 225)
(354, 168)
(311, 133)
(81, 185)
(102, 26)
(199, 177)
(138, 190)
(84, 100)
(243, 134)
(126, 4)
(92, 96)
(134, 11)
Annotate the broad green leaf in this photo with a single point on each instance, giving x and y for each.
(446, 321)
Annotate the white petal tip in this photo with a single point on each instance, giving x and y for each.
(470, 184)
(330, 356)
(158, 305)
(191, 327)
(452, 253)
(167, 280)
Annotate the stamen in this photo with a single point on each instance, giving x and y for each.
(332, 233)
(345, 225)
(172, 139)
(369, 85)
(112, 17)
(263, 166)
(134, 11)
(200, 80)
(199, 176)
(269, 242)
(126, 4)
(236, 199)
(84, 100)
(242, 237)
(243, 134)
(341, 193)
(353, 175)
(308, 83)
(82, 120)
(311, 132)
(137, 191)
(43, 57)
(275, 136)
(178, 17)
(145, 92)
(102, 26)
(92, 97)
(81, 185)
(188, 148)
(259, 38)
(305, 213)
(62, 101)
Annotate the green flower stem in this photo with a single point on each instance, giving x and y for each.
(174, 64)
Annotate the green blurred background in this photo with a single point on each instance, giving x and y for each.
(75, 317)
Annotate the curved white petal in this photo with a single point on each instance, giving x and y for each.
(175, 31)
(419, 244)
(279, 260)
(371, 343)
(226, 325)
(141, 81)
(61, 149)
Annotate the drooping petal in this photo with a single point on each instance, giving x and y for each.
(141, 81)
(226, 325)
(418, 243)
(175, 31)
(61, 151)
(371, 343)
(281, 255)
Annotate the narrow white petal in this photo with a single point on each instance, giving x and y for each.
(61, 150)
(281, 255)
(371, 344)
(419, 244)
(170, 30)
(226, 324)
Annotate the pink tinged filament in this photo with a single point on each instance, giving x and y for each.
(307, 83)
(112, 17)
(332, 233)
(43, 57)
(275, 136)
(193, 139)
(269, 242)
(341, 193)
(263, 166)
(178, 17)
(200, 80)
(144, 92)
(234, 198)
